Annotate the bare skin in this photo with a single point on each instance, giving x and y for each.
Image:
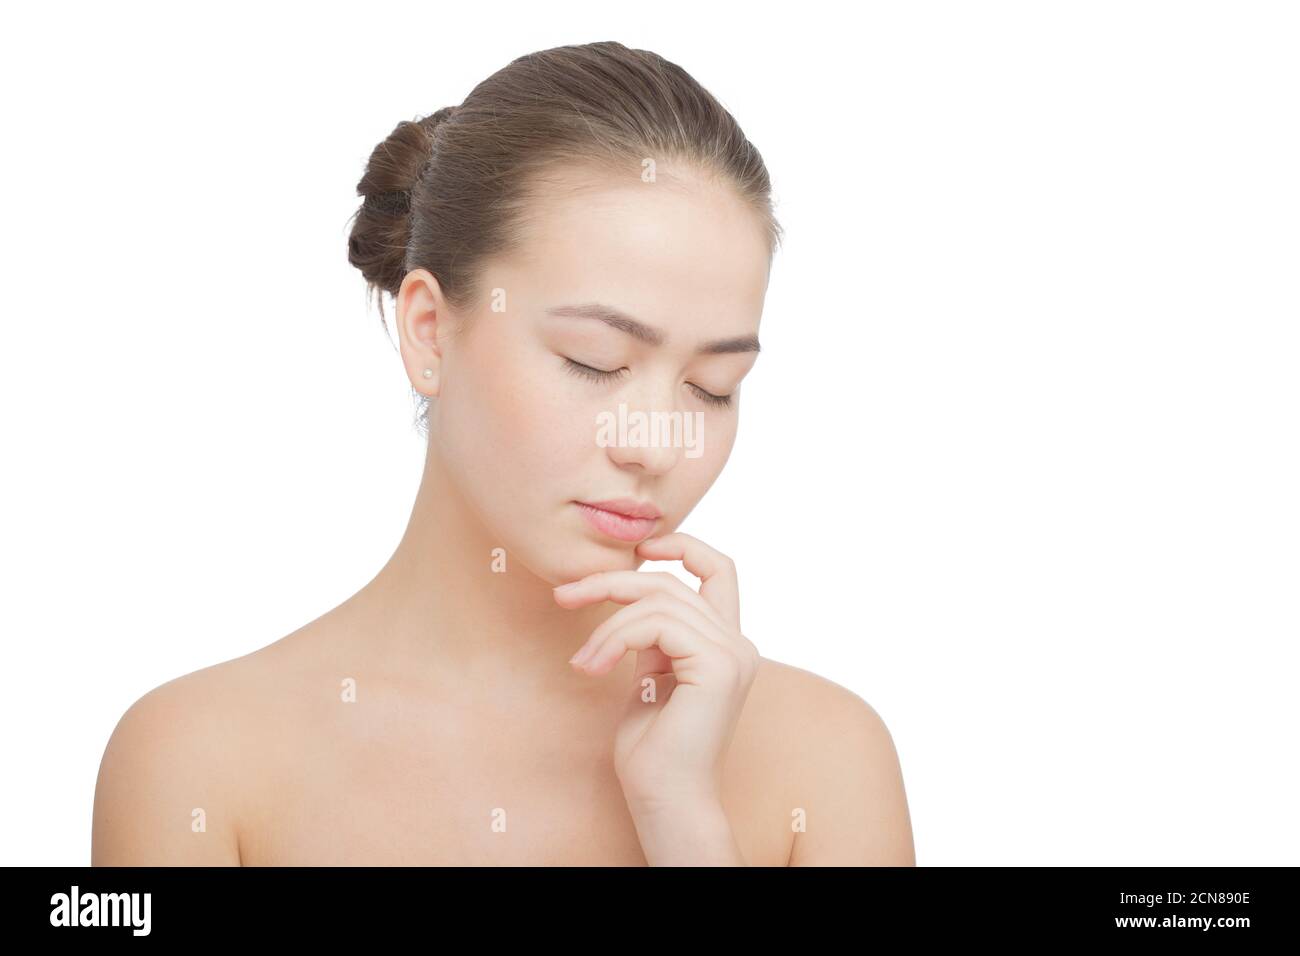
(434, 717)
(287, 775)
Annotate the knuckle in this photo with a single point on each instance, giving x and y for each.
(655, 623)
(656, 603)
(669, 582)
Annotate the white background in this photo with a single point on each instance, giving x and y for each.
(1018, 464)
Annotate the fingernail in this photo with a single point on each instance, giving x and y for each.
(580, 658)
(562, 588)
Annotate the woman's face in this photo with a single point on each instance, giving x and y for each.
(660, 284)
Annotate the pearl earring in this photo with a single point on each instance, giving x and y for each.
(428, 373)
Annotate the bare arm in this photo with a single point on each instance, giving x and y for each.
(163, 795)
(855, 805)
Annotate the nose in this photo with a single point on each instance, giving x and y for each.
(646, 439)
(649, 458)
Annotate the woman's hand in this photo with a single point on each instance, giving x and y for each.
(693, 672)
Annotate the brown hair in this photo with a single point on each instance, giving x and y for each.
(448, 190)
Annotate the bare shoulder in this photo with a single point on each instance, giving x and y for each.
(168, 788)
(842, 770)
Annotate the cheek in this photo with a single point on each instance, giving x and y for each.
(551, 427)
(514, 421)
(700, 473)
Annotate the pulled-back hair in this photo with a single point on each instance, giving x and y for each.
(447, 191)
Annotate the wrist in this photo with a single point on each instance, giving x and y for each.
(686, 831)
(680, 799)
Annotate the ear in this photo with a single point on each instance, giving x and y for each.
(421, 315)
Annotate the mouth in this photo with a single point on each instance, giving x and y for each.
(623, 519)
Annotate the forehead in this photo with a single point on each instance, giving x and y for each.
(683, 253)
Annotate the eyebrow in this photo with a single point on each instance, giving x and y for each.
(648, 333)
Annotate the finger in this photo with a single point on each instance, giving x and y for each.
(653, 663)
(660, 603)
(716, 571)
(624, 587)
(692, 654)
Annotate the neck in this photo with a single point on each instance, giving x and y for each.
(440, 605)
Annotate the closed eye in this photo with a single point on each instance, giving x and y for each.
(589, 373)
(722, 401)
(605, 375)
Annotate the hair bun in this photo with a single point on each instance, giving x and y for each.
(397, 203)
(381, 226)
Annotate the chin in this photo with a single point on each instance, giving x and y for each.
(584, 556)
(589, 557)
(565, 550)
(569, 556)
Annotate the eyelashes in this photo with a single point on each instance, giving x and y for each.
(579, 370)
(591, 374)
(722, 401)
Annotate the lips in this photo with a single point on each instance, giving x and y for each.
(628, 507)
(622, 518)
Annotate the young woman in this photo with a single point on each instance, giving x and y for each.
(587, 238)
